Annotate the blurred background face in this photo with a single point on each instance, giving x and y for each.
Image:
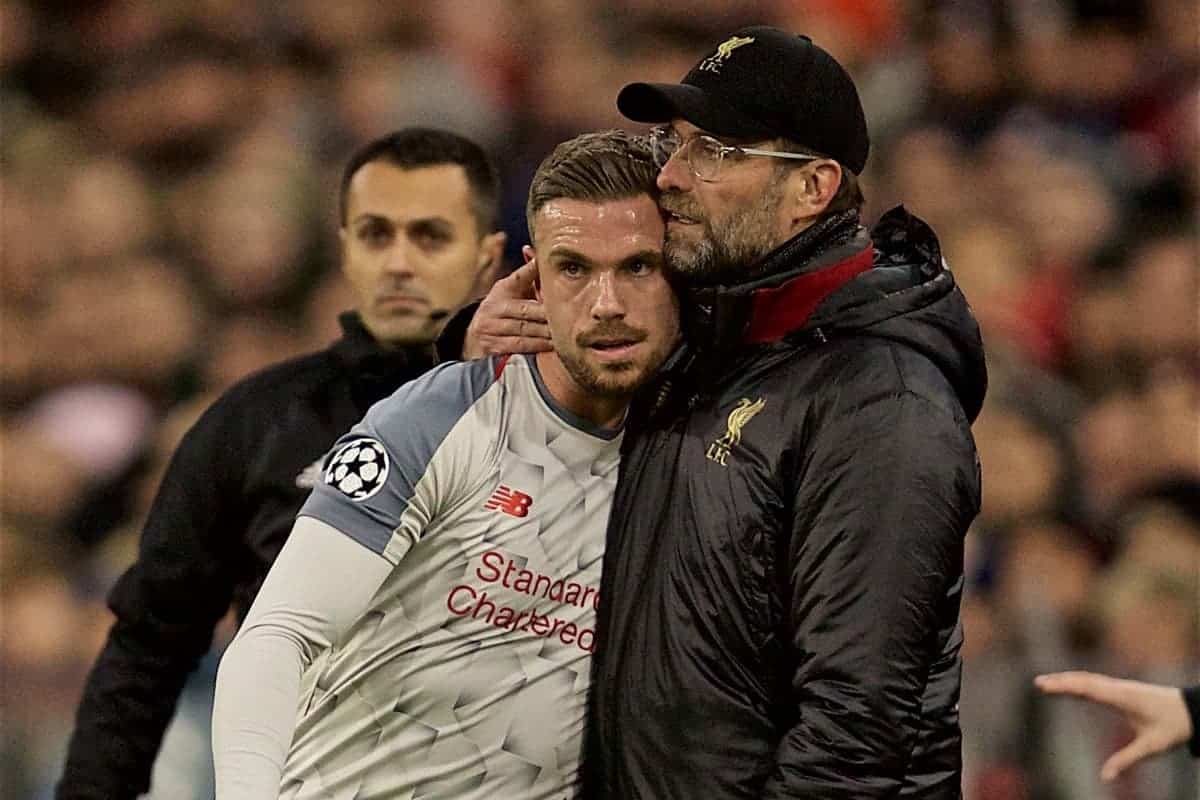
(613, 316)
(1148, 619)
(411, 248)
(251, 233)
(1022, 465)
(1161, 539)
(1048, 568)
(108, 210)
(1164, 283)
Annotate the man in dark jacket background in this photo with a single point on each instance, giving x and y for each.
(785, 553)
(419, 209)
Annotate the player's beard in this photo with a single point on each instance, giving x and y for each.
(728, 250)
(612, 379)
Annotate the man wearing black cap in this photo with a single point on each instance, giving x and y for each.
(780, 613)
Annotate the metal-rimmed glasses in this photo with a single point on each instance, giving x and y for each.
(705, 154)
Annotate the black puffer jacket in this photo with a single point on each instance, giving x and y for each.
(780, 613)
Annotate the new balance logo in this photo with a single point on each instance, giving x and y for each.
(510, 501)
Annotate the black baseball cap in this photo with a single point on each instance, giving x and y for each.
(763, 83)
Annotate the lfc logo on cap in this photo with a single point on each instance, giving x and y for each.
(724, 50)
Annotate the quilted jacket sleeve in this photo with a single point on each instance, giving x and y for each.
(875, 572)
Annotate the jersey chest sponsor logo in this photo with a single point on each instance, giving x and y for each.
(509, 501)
(745, 411)
(510, 596)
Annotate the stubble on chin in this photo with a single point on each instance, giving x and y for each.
(691, 260)
(604, 380)
(724, 254)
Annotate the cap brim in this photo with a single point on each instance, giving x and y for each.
(663, 102)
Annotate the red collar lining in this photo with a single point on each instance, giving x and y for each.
(779, 310)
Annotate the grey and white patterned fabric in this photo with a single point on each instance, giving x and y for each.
(468, 675)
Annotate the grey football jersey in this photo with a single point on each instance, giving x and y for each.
(467, 677)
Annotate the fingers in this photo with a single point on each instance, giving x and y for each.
(519, 284)
(1088, 685)
(510, 319)
(508, 327)
(1126, 757)
(514, 327)
(498, 306)
(536, 345)
(1158, 714)
(524, 310)
(504, 345)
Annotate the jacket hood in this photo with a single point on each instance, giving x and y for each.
(910, 297)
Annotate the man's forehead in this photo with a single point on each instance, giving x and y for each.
(385, 189)
(686, 130)
(600, 228)
(625, 211)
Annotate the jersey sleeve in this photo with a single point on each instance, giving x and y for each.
(415, 455)
(320, 584)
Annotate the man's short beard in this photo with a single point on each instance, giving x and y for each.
(727, 254)
(621, 385)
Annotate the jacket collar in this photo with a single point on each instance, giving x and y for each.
(795, 278)
(376, 371)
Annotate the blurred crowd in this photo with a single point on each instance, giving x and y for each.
(168, 211)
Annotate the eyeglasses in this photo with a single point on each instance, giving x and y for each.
(704, 154)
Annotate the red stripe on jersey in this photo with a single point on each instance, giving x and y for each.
(501, 364)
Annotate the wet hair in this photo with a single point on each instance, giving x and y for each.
(596, 167)
(413, 148)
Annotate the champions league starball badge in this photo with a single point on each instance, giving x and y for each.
(357, 469)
